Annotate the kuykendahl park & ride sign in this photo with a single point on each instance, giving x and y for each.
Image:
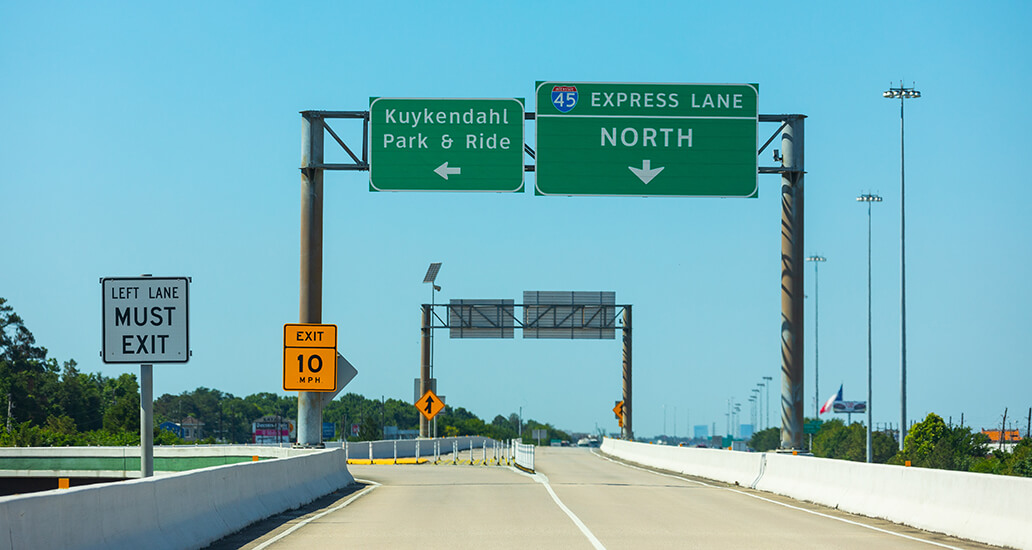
(446, 144)
(646, 139)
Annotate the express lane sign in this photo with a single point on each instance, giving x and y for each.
(646, 139)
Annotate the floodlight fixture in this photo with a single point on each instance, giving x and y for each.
(431, 272)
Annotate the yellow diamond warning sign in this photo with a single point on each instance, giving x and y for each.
(429, 405)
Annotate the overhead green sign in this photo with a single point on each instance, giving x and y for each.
(646, 139)
(445, 144)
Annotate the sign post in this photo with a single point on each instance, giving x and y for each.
(145, 320)
(446, 144)
(646, 139)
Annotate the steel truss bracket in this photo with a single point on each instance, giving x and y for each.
(319, 118)
(362, 163)
(784, 120)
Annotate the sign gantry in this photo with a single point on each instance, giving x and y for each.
(697, 134)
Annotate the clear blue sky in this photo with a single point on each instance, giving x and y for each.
(144, 138)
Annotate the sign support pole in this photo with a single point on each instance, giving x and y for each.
(792, 256)
(424, 370)
(628, 432)
(309, 404)
(146, 420)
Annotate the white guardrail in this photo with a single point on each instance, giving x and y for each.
(182, 510)
(524, 456)
(982, 507)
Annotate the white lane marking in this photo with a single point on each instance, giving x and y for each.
(844, 520)
(363, 492)
(542, 479)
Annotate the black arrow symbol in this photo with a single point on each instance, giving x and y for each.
(429, 404)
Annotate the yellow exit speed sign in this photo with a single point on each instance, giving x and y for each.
(309, 357)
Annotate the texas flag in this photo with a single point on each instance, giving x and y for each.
(834, 397)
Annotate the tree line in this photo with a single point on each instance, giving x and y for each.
(931, 443)
(50, 404)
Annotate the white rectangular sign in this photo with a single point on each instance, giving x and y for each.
(146, 320)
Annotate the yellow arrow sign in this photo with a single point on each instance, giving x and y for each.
(429, 405)
(618, 411)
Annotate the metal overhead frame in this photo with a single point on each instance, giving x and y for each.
(506, 312)
(791, 169)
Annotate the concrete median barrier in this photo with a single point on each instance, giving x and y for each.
(982, 507)
(182, 510)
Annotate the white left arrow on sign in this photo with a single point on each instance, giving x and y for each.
(444, 171)
(646, 172)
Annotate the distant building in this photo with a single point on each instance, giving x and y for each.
(172, 427)
(701, 431)
(272, 430)
(392, 432)
(745, 431)
(193, 429)
(1008, 435)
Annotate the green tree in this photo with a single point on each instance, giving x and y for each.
(122, 396)
(79, 397)
(932, 444)
(834, 439)
(766, 440)
(1020, 462)
(26, 377)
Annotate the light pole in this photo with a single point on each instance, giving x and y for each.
(431, 277)
(753, 410)
(816, 331)
(766, 383)
(426, 373)
(869, 199)
(903, 94)
(759, 395)
(737, 419)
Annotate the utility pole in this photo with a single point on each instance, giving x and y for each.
(1003, 427)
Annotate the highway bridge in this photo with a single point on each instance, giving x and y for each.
(624, 495)
(578, 498)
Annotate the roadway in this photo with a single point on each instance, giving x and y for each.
(579, 499)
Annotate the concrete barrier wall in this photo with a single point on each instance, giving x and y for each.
(184, 510)
(982, 507)
(123, 462)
